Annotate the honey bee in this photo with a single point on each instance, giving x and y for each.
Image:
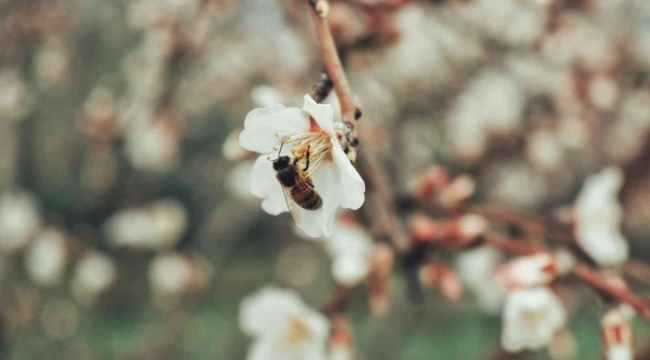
(298, 190)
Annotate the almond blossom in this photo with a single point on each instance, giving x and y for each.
(95, 274)
(531, 318)
(46, 258)
(350, 247)
(618, 337)
(475, 268)
(533, 270)
(598, 216)
(276, 131)
(283, 327)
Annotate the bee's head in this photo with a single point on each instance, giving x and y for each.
(281, 162)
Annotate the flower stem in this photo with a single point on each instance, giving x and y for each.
(350, 112)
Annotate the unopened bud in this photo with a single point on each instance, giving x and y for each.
(617, 336)
(459, 190)
(442, 277)
(430, 182)
(424, 228)
(322, 8)
(464, 229)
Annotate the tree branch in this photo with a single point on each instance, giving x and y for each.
(350, 112)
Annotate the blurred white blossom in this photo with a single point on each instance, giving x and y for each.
(47, 257)
(282, 326)
(529, 271)
(350, 247)
(475, 267)
(153, 147)
(94, 274)
(53, 62)
(531, 318)
(15, 98)
(19, 220)
(158, 225)
(617, 336)
(598, 216)
(491, 105)
(173, 275)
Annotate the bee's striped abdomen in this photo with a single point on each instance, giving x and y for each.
(306, 197)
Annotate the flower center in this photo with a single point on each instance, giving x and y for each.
(317, 144)
(533, 317)
(297, 332)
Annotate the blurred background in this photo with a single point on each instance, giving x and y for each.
(127, 230)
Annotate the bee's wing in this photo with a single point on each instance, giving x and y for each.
(291, 205)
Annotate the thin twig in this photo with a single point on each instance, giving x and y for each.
(337, 299)
(594, 279)
(350, 112)
(511, 246)
(638, 270)
(583, 271)
(388, 221)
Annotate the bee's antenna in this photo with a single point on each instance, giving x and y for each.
(279, 151)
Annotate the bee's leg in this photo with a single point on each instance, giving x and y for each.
(306, 159)
(310, 183)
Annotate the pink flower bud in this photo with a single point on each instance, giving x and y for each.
(441, 276)
(617, 336)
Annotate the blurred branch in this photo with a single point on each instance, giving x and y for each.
(336, 301)
(583, 271)
(386, 220)
(638, 270)
(591, 277)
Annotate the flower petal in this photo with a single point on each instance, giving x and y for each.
(322, 113)
(266, 311)
(262, 125)
(352, 186)
(265, 185)
(318, 223)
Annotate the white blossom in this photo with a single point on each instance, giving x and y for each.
(238, 180)
(19, 220)
(153, 147)
(282, 326)
(350, 247)
(15, 98)
(46, 258)
(475, 268)
(528, 271)
(173, 275)
(598, 216)
(160, 224)
(334, 178)
(95, 274)
(492, 105)
(53, 62)
(617, 336)
(531, 318)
